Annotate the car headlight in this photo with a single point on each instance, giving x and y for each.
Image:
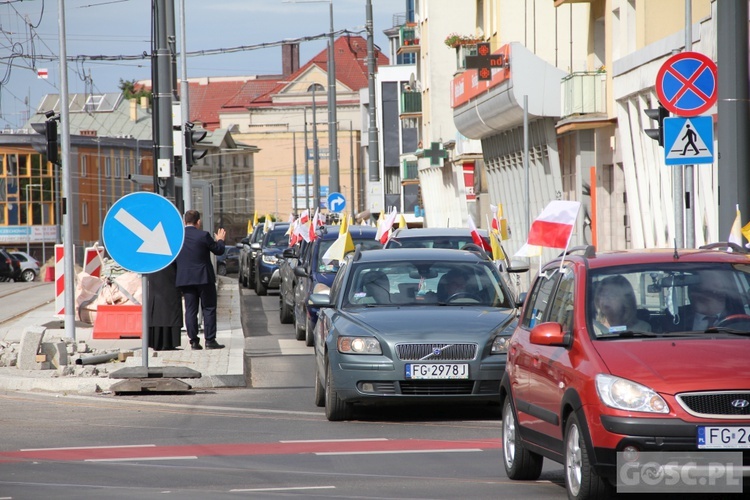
(358, 345)
(500, 344)
(270, 259)
(624, 394)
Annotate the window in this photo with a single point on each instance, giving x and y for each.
(107, 167)
(83, 165)
(118, 169)
(127, 167)
(562, 305)
(537, 306)
(85, 213)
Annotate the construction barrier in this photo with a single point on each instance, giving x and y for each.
(118, 322)
(59, 280)
(93, 260)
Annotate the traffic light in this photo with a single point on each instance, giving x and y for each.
(193, 137)
(50, 132)
(658, 115)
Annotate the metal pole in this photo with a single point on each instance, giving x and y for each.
(221, 193)
(307, 168)
(163, 100)
(316, 159)
(526, 160)
(44, 234)
(68, 257)
(294, 174)
(351, 166)
(99, 217)
(29, 221)
(144, 319)
(333, 144)
(689, 180)
(372, 131)
(187, 188)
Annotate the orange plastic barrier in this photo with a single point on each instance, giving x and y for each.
(118, 322)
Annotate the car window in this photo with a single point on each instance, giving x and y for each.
(276, 237)
(19, 256)
(538, 300)
(333, 266)
(561, 310)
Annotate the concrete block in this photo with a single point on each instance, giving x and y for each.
(31, 338)
(56, 351)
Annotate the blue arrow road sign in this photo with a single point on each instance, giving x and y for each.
(688, 141)
(336, 202)
(143, 232)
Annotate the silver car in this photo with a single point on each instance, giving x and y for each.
(29, 266)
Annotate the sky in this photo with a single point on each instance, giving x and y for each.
(29, 36)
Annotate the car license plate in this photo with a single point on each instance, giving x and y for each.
(437, 371)
(724, 437)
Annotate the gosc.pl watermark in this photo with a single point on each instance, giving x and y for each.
(679, 472)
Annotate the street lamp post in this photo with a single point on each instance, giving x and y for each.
(30, 211)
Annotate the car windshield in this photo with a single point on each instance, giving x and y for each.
(425, 283)
(694, 298)
(449, 242)
(333, 265)
(277, 237)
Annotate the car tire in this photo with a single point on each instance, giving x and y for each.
(520, 463)
(581, 481)
(298, 330)
(336, 409)
(320, 391)
(260, 288)
(309, 332)
(285, 312)
(221, 269)
(28, 275)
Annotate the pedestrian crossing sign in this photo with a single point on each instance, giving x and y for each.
(688, 141)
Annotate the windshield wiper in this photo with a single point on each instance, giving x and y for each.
(626, 334)
(726, 329)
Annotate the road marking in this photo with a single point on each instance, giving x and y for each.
(284, 489)
(333, 440)
(91, 447)
(138, 459)
(457, 450)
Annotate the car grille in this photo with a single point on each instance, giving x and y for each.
(437, 388)
(716, 404)
(436, 352)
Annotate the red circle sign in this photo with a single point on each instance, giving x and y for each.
(687, 84)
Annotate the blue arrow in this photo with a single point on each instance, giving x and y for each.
(336, 201)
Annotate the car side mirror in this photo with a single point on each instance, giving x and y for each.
(289, 253)
(255, 246)
(518, 266)
(319, 300)
(243, 241)
(300, 272)
(549, 333)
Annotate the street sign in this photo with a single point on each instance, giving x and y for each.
(336, 202)
(143, 232)
(688, 140)
(687, 84)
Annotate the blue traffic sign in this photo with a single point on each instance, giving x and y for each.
(688, 141)
(686, 84)
(336, 202)
(143, 232)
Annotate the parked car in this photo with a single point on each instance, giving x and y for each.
(290, 258)
(607, 358)
(29, 265)
(249, 247)
(391, 330)
(267, 258)
(228, 262)
(10, 267)
(312, 274)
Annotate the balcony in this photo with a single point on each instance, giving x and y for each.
(410, 170)
(411, 104)
(462, 51)
(584, 93)
(408, 38)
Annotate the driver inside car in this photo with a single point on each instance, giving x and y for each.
(453, 282)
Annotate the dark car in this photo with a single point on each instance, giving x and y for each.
(274, 241)
(228, 262)
(392, 330)
(10, 267)
(616, 355)
(314, 275)
(249, 247)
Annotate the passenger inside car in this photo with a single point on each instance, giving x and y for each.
(377, 286)
(615, 307)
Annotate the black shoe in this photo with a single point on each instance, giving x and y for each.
(212, 344)
(196, 346)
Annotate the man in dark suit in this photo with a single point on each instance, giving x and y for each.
(196, 279)
(711, 301)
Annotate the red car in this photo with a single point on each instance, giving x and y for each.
(633, 351)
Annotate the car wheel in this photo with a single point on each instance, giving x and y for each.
(580, 479)
(285, 312)
(260, 288)
(520, 463)
(336, 409)
(320, 392)
(28, 275)
(298, 330)
(309, 332)
(221, 269)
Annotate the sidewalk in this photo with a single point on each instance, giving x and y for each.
(218, 368)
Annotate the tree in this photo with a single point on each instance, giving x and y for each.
(129, 89)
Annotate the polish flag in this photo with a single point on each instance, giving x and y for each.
(384, 227)
(42, 73)
(313, 226)
(496, 214)
(475, 236)
(554, 225)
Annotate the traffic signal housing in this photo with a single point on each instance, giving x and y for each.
(193, 137)
(49, 130)
(658, 115)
